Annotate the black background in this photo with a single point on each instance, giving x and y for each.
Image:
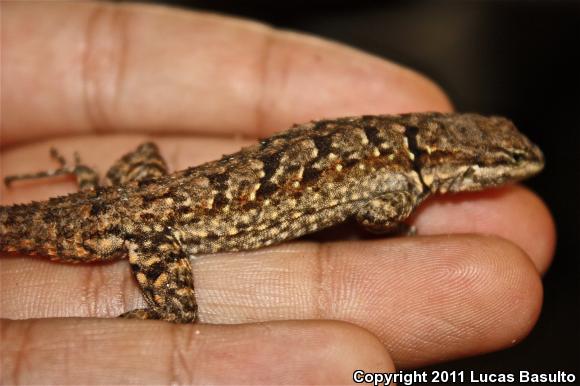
(514, 58)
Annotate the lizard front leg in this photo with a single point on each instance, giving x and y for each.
(142, 164)
(385, 214)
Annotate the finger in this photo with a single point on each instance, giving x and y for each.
(513, 213)
(91, 351)
(427, 298)
(119, 67)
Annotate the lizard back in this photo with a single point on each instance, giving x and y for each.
(312, 176)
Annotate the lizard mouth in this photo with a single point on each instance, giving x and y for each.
(511, 167)
(524, 163)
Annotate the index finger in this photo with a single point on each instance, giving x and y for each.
(99, 67)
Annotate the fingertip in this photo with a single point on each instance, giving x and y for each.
(311, 78)
(442, 297)
(539, 242)
(368, 351)
(520, 286)
(512, 212)
(421, 93)
(512, 294)
(498, 292)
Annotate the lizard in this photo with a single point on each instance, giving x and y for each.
(375, 168)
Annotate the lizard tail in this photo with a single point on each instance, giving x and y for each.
(40, 228)
(64, 228)
(23, 229)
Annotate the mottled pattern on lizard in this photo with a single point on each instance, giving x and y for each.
(374, 168)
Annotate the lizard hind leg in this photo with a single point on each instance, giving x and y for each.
(142, 164)
(161, 268)
(163, 271)
(386, 214)
(86, 177)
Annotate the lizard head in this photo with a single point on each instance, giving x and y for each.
(459, 152)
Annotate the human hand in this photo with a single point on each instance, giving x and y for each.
(101, 78)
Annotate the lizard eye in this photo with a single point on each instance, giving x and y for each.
(518, 157)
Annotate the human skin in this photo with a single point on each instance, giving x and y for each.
(101, 78)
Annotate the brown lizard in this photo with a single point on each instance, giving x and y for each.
(374, 168)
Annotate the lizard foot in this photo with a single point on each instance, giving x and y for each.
(86, 177)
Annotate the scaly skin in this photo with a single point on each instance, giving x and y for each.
(374, 168)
